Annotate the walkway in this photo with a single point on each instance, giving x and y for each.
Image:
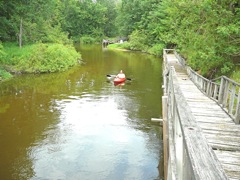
(220, 131)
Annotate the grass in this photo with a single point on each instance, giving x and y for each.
(124, 45)
(13, 52)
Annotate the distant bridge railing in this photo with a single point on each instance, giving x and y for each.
(187, 154)
(223, 90)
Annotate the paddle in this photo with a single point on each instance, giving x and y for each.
(108, 75)
(112, 76)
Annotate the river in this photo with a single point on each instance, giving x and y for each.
(78, 125)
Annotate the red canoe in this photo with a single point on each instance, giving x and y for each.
(119, 80)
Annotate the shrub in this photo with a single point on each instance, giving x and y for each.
(4, 74)
(87, 40)
(48, 58)
(138, 39)
(157, 49)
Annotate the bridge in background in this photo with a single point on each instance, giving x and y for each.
(201, 130)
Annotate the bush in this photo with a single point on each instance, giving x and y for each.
(4, 74)
(48, 58)
(1, 51)
(87, 40)
(236, 74)
(157, 49)
(138, 41)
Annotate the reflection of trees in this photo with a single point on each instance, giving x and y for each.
(28, 115)
(27, 109)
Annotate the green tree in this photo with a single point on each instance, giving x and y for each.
(206, 33)
(84, 18)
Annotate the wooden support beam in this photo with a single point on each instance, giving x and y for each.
(165, 135)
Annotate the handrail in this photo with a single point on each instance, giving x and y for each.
(190, 157)
(226, 92)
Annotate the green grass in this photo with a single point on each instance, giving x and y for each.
(13, 53)
(124, 45)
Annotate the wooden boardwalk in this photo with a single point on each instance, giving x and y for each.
(220, 131)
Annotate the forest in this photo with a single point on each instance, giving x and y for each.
(38, 36)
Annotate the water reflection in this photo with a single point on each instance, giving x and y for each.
(77, 125)
(89, 145)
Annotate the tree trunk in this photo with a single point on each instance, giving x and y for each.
(20, 34)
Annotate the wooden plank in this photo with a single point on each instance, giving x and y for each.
(228, 157)
(194, 99)
(218, 131)
(205, 114)
(217, 119)
(223, 143)
(232, 170)
(230, 162)
(224, 139)
(224, 147)
(207, 110)
(221, 132)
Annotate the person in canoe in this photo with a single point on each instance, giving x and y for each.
(120, 77)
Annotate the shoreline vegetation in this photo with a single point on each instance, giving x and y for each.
(53, 57)
(36, 58)
(126, 46)
(205, 33)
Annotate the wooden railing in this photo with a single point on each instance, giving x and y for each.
(187, 152)
(223, 90)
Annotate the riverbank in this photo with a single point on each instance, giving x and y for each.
(36, 58)
(126, 46)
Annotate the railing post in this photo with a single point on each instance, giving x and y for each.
(237, 115)
(220, 95)
(225, 93)
(232, 98)
(215, 91)
(209, 88)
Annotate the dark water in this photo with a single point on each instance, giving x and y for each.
(77, 125)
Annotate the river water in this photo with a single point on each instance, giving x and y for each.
(77, 125)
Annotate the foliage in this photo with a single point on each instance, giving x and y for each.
(1, 50)
(90, 18)
(49, 58)
(13, 53)
(138, 41)
(88, 40)
(56, 21)
(236, 74)
(40, 57)
(4, 74)
(157, 49)
(205, 32)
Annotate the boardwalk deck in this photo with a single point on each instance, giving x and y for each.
(222, 134)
